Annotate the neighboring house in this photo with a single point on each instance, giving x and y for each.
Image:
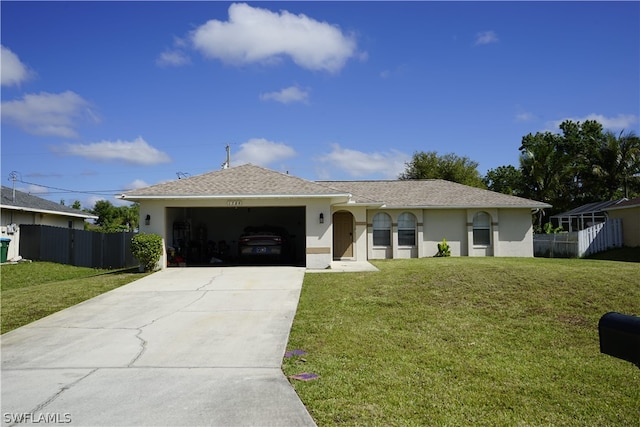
(338, 220)
(585, 216)
(629, 212)
(19, 208)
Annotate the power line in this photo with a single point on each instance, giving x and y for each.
(65, 190)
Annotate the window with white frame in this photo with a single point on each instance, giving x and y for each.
(482, 229)
(406, 229)
(381, 229)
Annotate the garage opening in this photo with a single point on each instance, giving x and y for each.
(201, 236)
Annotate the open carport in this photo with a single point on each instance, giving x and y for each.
(200, 236)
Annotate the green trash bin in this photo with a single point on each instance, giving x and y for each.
(4, 250)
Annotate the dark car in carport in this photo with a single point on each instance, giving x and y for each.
(264, 243)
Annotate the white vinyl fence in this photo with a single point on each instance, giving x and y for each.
(597, 238)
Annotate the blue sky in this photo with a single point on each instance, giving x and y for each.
(102, 97)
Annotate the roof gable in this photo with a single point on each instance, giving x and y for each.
(246, 181)
(29, 202)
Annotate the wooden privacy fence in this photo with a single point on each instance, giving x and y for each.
(76, 247)
(594, 239)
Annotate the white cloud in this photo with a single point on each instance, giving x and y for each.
(286, 95)
(48, 114)
(33, 189)
(525, 117)
(137, 152)
(259, 35)
(388, 164)
(261, 152)
(621, 121)
(398, 71)
(135, 184)
(486, 37)
(12, 70)
(173, 58)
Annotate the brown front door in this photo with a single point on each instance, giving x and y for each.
(342, 235)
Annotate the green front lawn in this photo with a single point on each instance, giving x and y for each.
(31, 291)
(466, 341)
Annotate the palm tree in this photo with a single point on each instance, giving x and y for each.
(542, 166)
(617, 160)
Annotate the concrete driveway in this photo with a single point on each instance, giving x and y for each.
(188, 347)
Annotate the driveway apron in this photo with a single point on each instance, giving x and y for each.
(188, 347)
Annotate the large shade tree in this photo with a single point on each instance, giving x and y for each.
(505, 179)
(429, 165)
(115, 218)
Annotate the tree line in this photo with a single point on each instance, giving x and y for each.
(582, 164)
(111, 219)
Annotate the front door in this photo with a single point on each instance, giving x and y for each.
(342, 235)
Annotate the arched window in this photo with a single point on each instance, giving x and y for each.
(482, 229)
(406, 229)
(381, 229)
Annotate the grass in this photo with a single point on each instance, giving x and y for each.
(31, 291)
(466, 341)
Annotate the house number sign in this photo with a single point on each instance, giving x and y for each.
(235, 203)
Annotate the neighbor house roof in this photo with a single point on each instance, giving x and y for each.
(240, 181)
(631, 203)
(255, 181)
(27, 202)
(431, 193)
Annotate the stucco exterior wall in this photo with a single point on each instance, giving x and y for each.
(515, 233)
(13, 216)
(511, 233)
(319, 238)
(447, 224)
(630, 224)
(14, 244)
(511, 230)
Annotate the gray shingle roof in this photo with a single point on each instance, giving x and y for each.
(250, 180)
(436, 193)
(631, 203)
(28, 202)
(245, 180)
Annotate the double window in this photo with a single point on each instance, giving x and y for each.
(382, 229)
(482, 229)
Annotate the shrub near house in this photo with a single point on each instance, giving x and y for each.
(147, 248)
